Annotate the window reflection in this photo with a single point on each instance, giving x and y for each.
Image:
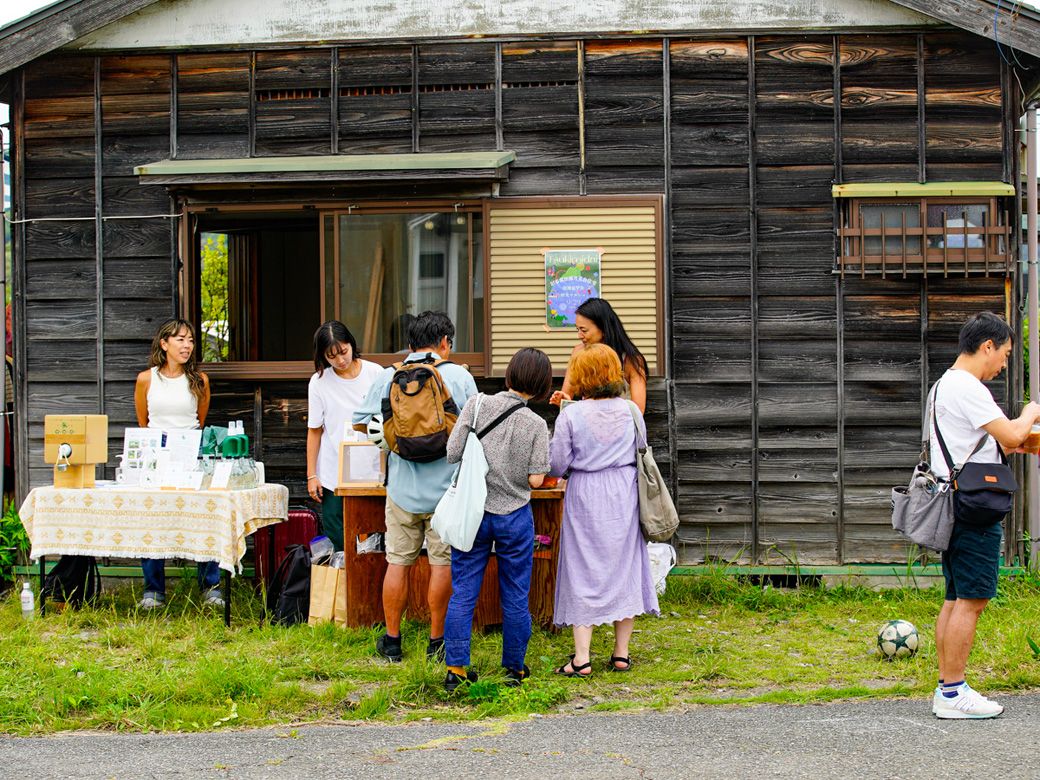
(394, 266)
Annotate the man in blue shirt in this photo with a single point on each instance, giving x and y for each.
(413, 490)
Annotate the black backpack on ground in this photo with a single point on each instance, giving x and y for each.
(75, 580)
(289, 595)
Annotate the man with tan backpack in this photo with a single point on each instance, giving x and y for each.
(419, 400)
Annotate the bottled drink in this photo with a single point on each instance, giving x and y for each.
(28, 602)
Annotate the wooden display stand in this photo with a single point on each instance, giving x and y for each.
(364, 513)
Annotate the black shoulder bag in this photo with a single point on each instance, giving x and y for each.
(983, 493)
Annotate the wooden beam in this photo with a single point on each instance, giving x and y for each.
(1017, 26)
(52, 28)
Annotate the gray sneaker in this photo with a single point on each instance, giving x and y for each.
(213, 598)
(151, 600)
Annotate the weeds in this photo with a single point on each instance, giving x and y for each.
(14, 542)
(720, 639)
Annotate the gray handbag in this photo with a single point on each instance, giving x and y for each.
(922, 511)
(657, 516)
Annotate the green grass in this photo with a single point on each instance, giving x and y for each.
(720, 640)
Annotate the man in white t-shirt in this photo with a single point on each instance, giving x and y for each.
(965, 412)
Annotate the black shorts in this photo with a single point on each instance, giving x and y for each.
(971, 563)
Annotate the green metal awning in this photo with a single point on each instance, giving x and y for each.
(478, 166)
(895, 189)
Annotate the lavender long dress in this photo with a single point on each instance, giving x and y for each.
(604, 571)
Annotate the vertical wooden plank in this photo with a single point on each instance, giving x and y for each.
(334, 98)
(415, 99)
(499, 133)
(581, 118)
(839, 300)
(21, 419)
(173, 106)
(252, 104)
(99, 241)
(753, 270)
(665, 292)
(922, 168)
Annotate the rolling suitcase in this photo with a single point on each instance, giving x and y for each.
(301, 527)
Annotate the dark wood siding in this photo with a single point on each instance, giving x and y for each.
(792, 399)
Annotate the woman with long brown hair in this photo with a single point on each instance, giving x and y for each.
(172, 394)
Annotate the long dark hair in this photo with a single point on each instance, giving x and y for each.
(605, 318)
(157, 359)
(328, 335)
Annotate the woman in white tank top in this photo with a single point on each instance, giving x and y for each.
(172, 394)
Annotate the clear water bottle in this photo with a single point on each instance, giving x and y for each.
(28, 602)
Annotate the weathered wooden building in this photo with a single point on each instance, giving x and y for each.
(797, 204)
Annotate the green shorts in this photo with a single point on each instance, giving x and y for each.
(971, 563)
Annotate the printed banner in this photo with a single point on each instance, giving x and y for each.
(572, 276)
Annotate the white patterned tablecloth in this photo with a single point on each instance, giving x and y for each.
(198, 525)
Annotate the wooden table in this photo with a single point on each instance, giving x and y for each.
(136, 522)
(364, 513)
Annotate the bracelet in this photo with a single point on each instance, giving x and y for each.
(312, 476)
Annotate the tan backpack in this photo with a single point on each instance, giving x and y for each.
(418, 411)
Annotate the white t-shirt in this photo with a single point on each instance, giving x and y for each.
(962, 406)
(331, 401)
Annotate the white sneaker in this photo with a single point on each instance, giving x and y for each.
(150, 601)
(967, 704)
(213, 598)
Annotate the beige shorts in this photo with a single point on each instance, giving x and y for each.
(404, 537)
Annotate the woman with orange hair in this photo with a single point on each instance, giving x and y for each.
(604, 571)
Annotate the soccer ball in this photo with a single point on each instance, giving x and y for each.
(375, 432)
(897, 639)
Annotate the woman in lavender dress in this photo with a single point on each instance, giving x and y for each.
(604, 571)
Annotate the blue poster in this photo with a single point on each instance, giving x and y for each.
(572, 276)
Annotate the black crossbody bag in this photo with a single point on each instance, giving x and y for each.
(983, 493)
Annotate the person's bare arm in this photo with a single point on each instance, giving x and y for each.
(1011, 434)
(144, 381)
(204, 402)
(313, 444)
(636, 387)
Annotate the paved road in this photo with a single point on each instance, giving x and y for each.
(880, 740)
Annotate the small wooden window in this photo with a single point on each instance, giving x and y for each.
(910, 236)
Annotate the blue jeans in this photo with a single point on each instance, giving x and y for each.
(155, 575)
(513, 537)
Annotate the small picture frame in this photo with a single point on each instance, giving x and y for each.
(361, 464)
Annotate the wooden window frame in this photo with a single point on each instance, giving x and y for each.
(188, 277)
(967, 261)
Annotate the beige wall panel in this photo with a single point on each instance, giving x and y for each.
(627, 236)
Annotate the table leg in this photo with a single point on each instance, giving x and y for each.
(227, 599)
(271, 558)
(43, 576)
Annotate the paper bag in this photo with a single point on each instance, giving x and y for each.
(340, 610)
(323, 594)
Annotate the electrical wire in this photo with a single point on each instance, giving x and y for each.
(29, 220)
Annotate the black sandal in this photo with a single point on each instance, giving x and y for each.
(575, 670)
(612, 664)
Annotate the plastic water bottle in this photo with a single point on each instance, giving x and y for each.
(28, 602)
